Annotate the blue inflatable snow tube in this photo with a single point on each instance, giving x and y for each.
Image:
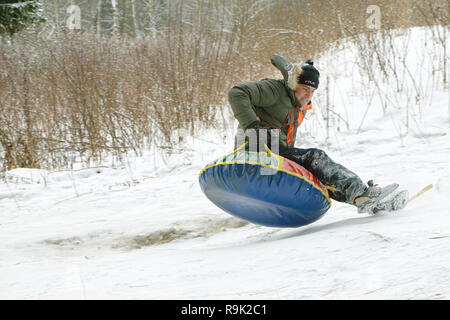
(265, 188)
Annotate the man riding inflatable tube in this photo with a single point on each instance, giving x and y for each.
(282, 104)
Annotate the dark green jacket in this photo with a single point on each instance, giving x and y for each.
(271, 101)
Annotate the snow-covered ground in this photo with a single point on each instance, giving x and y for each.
(144, 229)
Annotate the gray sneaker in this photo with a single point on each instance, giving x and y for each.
(367, 202)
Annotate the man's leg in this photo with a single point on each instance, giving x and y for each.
(347, 185)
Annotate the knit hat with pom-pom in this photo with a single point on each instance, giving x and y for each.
(304, 74)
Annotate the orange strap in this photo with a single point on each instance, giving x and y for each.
(359, 198)
(299, 121)
(300, 113)
(300, 117)
(308, 106)
(290, 131)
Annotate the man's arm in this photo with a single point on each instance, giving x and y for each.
(244, 97)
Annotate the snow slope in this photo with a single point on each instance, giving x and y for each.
(144, 230)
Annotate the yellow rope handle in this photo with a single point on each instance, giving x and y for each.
(418, 194)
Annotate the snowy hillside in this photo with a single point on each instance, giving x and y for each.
(144, 229)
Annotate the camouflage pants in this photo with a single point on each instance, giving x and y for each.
(347, 185)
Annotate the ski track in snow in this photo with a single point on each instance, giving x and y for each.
(140, 231)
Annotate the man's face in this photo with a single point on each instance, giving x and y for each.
(304, 93)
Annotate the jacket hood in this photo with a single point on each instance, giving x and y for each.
(293, 75)
(290, 71)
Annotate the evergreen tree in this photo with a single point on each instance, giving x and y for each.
(16, 15)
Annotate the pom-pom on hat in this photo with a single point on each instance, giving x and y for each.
(304, 74)
(309, 75)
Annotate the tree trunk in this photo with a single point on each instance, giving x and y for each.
(115, 17)
(135, 22)
(57, 21)
(99, 18)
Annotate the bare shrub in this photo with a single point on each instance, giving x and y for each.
(131, 82)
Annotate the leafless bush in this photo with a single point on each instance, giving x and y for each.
(80, 96)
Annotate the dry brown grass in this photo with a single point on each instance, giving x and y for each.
(79, 96)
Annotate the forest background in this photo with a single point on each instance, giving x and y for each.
(102, 78)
